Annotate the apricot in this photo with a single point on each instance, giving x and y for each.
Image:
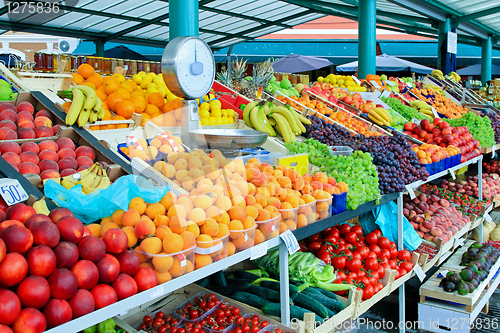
(238, 200)
(251, 211)
(204, 241)
(201, 260)
(235, 227)
(147, 265)
(162, 262)
(259, 237)
(301, 221)
(248, 223)
(130, 217)
(163, 276)
(145, 228)
(132, 238)
(237, 213)
(95, 229)
(223, 231)
(202, 201)
(223, 203)
(193, 228)
(197, 215)
(262, 200)
(189, 240)
(178, 267)
(176, 210)
(116, 217)
(177, 224)
(273, 210)
(263, 215)
(172, 243)
(107, 226)
(168, 200)
(152, 245)
(162, 230)
(161, 220)
(210, 227)
(231, 249)
(320, 177)
(225, 218)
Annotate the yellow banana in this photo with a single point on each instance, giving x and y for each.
(76, 107)
(375, 115)
(284, 126)
(304, 120)
(246, 113)
(92, 117)
(40, 207)
(289, 117)
(83, 118)
(375, 119)
(91, 99)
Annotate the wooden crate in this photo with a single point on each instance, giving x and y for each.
(45, 81)
(397, 283)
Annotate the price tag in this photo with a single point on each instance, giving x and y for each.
(420, 273)
(375, 84)
(460, 241)
(434, 112)
(182, 259)
(452, 173)
(385, 93)
(409, 85)
(442, 273)
(290, 241)
(401, 80)
(355, 79)
(390, 83)
(258, 251)
(12, 192)
(493, 152)
(157, 292)
(487, 217)
(415, 121)
(411, 193)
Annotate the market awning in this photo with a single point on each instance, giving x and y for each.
(475, 70)
(386, 63)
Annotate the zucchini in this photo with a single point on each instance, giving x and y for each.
(245, 276)
(274, 309)
(276, 286)
(266, 293)
(313, 305)
(333, 304)
(250, 299)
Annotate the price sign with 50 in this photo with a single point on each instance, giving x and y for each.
(12, 192)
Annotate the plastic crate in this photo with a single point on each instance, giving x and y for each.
(243, 311)
(340, 150)
(177, 310)
(269, 228)
(339, 203)
(323, 208)
(152, 315)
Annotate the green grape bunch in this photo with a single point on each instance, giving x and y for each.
(479, 127)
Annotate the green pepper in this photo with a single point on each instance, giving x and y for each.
(258, 281)
(91, 329)
(107, 326)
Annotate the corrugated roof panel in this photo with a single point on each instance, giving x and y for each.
(145, 32)
(157, 34)
(121, 27)
(100, 5)
(264, 31)
(148, 10)
(303, 19)
(262, 12)
(205, 14)
(66, 19)
(87, 22)
(214, 19)
(228, 42)
(278, 14)
(230, 24)
(244, 27)
(124, 7)
(106, 24)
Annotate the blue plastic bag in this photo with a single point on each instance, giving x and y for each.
(386, 218)
(101, 203)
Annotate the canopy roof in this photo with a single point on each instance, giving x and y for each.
(475, 70)
(227, 22)
(387, 63)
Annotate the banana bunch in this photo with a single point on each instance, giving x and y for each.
(437, 74)
(436, 89)
(91, 179)
(422, 107)
(267, 117)
(380, 116)
(454, 77)
(40, 207)
(85, 106)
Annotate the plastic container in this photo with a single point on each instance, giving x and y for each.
(183, 261)
(457, 159)
(152, 315)
(243, 311)
(216, 249)
(339, 203)
(289, 217)
(178, 310)
(272, 329)
(267, 229)
(430, 168)
(447, 162)
(307, 212)
(340, 150)
(241, 240)
(250, 315)
(323, 208)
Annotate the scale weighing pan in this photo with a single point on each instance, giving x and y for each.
(228, 138)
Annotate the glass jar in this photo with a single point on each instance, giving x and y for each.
(66, 59)
(107, 65)
(38, 61)
(74, 63)
(99, 64)
(81, 60)
(147, 67)
(152, 67)
(158, 67)
(133, 67)
(140, 66)
(48, 62)
(91, 61)
(126, 65)
(114, 63)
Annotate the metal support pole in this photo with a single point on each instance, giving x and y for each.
(183, 18)
(401, 247)
(486, 47)
(228, 60)
(367, 45)
(284, 285)
(99, 47)
(443, 29)
(480, 187)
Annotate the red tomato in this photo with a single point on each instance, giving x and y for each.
(378, 232)
(368, 292)
(375, 275)
(363, 251)
(338, 262)
(372, 255)
(326, 248)
(356, 255)
(385, 254)
(375, 248)
(361, 274)
(349, 280)
(394, 252)
(314, 247)
(393, 264)
(341, 275)
(354, 265)
(331, 239)
(380, 286)
(402, 272)
(404, 255)
(334, 233)
(325, 256)
(407, 266)
(351, 237)
(398, 274)
(381, 271)
(357, 229)
(371, 264)
(344, 229)
(371, 238)
(383, 242)
(352, 276)
(372, 280)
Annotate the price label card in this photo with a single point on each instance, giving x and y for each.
(411, 193)
(487, 217)
(401, 80)
(157, 292)
(258, 251)
(375, 84)
(420, 273)
(409, 85)
(385, 93)
(434, 112)
(415, 121)
(452, 173)
(390, 83)
(355, 79)
(460, 241)
(493, 152)
(12, 192)
(290, 241)
(442, 273)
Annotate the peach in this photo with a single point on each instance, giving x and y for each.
(9, 124)
(64, 142)
(55, 129)
(29, 156)
(58, 213)
(28, 167)
(26, 133)
(67, 163)
(30, 146)
(8, 114)
(49, 174)
(43, 132)
(67, 172)
(48, 155)
(48, 144)
(66, 152)
(83, 167)
(48, 165)
(85, 151)
(25, 115)
(45, 113)
(14, 167)
(84, 161)
(42, 121)
(21, 123)
(7, 134)
(6, 147)
(25, 107)
(12, 158)
(7, 106)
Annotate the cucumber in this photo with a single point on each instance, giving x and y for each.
(269, 294)
(333, 304)
(313, 305)
(276, 286)
(230, 288)
(327, 293)
(236, 280)
(250, 299)
(218, 279)
(274, 309)
(205, 282)
(312, 290)
(245, 276)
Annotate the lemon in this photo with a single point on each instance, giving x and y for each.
(216, 112)
(224, 112)
(170, 97)
(142, 73)
(225, 120)
(158, 80)
(216, 103)
(137, 78)
(204, 113)
(231, 113)
(152, 75)
(218, 120)
(205, 98)
(212, 121)
(204, 122)
(205, 106)
(162, 90)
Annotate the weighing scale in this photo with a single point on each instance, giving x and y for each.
(188, 68)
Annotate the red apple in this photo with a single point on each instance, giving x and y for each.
(41, 260)
(57, 312)
(63, 283)
(116, 240)
(145, 279)
(71, 229)
(29, 156)
(30, 320)
(64, 142)
(14, 269)
(66, 254)
(36, 218)
(85, 151)
(104, 295)
(109, 268)
(17, 239)
(48, 144)
(12, 158)
(82, 303)
(58, 213)
(34, 292)
(46, 233)
(10, 307)
(49, 154)
(5, 147)
(125, 286)
(20, 212)
(25, 107)
(86, 273)
(129, 263)
(30, 146)
(92, 248)
(28, 167)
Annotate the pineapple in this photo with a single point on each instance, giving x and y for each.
(224, 78)
(239, 69)
(262, 74)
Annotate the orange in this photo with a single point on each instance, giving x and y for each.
(123, 92)
(139, 103)
(129, 86)
(125, 109)
(89, 84)
(145, 119)
(110, 86)
(118, 77)
(113, 99)
(85, 70)
(96, 80)
(102, 95)
(77, 78)
(152, 110)
(156, 99)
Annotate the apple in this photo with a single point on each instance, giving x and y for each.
(109, 268)
(66, 254)
(145, 279)
(129, 263)
(41, 260)
(17, 239)
(58, 213)
(125, 286)
(14, 269)
(30, 320)
(82, 303)
(92, 248)
(34, 292)
(116, 240)
(46, 233)
(104, 295)
(63, 283)
(71, 229)
(57, 312)
(10, 307)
